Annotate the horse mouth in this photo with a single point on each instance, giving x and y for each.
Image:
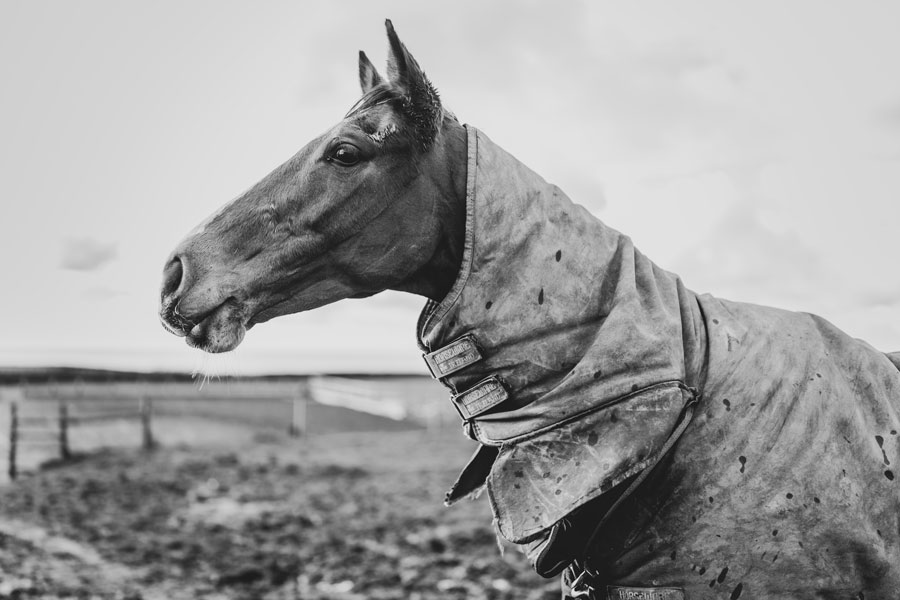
(220, 330)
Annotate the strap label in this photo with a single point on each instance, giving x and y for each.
(456, 355)
(614, 592)
(483, 396)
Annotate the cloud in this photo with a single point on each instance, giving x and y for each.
(671, 98)
(889, 115)
(743, 259)
(876, 325)
(875, 298)
(603, 95)
(86, 254)
(101, 292)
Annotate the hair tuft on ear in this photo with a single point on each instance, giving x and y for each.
(422, 104)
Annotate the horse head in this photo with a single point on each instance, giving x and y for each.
(374, 203)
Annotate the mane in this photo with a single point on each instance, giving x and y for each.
(380, 94)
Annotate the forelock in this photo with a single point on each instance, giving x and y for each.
(380, 94)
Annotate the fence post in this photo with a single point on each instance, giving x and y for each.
(64, 430)
(299, 412)
(13, 437)
(146, 408)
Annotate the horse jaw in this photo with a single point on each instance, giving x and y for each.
(221, 331)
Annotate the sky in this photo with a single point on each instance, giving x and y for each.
(752, 148)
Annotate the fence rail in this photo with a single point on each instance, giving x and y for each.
(53, 429)
(104, 416)
(48, 430)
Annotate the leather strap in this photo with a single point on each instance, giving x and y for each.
(480, 398)
(458, 354)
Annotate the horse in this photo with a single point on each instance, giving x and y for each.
(636, 438)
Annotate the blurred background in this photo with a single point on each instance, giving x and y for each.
(753, 149)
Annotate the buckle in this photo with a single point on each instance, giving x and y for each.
(483, 396)
(615, 592)
(580, 587)
(456, 355)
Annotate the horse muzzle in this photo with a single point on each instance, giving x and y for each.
(205, 321)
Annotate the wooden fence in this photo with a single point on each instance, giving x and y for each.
(48, 415)
(53, 428)
(50, 430)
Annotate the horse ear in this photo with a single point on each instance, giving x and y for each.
(368, 75)
(423, 104)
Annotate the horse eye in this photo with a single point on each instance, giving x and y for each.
(345, 155)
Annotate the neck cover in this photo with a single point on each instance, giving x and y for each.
(594, 346)
(583, 355)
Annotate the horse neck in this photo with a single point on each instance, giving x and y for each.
(447, 169)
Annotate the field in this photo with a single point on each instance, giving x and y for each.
(242, 510)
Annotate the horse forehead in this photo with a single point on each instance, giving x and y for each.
(378, 122)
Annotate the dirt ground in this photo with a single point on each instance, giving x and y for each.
(338, 517)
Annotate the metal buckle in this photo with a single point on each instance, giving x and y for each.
(583, 587)
(481, 397)
(585, 590)
(456, 355)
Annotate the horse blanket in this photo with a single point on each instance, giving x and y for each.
(573, 360)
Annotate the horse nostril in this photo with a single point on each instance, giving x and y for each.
(173, 281)
(172, 277)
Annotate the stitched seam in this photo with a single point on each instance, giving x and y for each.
(439, 310)
(532, 434)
